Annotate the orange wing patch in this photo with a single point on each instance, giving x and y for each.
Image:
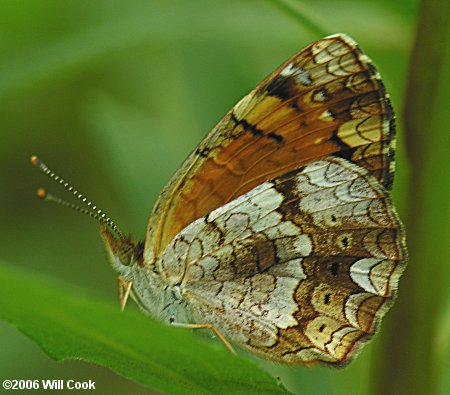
(326, 100)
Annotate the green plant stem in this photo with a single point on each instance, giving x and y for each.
(411, 365)
(305, 16)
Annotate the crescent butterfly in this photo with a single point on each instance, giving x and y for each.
(278, 231)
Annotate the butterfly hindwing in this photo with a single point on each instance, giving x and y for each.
(299, 269)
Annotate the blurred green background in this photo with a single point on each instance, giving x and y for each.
(113, 95)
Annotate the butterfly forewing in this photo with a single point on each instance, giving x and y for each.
(326, 100)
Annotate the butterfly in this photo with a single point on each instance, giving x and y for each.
(278, 231)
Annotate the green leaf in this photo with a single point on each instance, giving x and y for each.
(67, 324)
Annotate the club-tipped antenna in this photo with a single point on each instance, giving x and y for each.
(92, 210)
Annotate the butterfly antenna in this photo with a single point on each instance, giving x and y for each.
(92, 210)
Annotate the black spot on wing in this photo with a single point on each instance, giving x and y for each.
(247, 126)
(346, 151)
(277, 137)
(284, 88)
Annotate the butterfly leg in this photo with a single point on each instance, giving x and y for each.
(123, 295)
(208, 326)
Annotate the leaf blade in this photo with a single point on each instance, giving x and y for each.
(67, 325)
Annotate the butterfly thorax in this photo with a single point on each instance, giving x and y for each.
(159, 297)
(157, 288)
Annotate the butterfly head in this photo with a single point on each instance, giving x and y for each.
(123, 252)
